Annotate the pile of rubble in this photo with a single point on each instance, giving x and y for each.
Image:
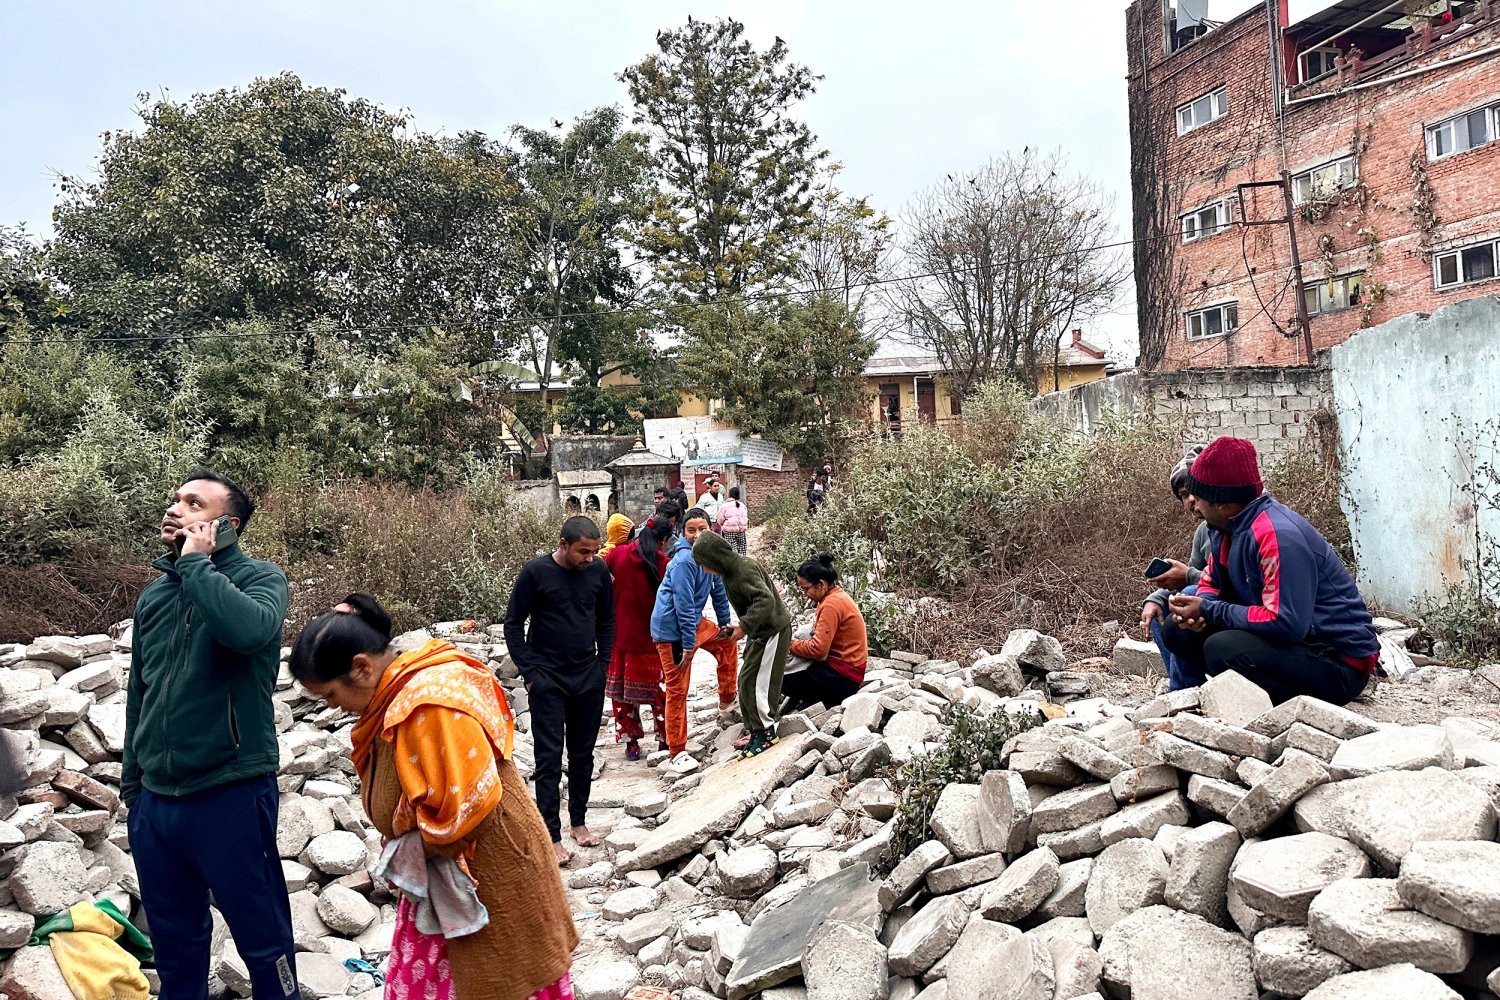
(63, 838)
(1202, 844)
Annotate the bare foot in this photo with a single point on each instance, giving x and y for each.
(562, 854)
(583, 838)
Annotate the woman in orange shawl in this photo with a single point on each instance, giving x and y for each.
(433, 748)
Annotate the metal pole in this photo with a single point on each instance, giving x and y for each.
(1291, 229)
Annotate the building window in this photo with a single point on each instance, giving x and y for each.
(1475, 128)
(1205, 222)
(1466, 265)
(1209, 107)
(1215, 321)
(1334, 294)
(1323, 182)
(1317, 63)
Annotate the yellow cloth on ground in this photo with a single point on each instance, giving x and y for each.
(92, 964)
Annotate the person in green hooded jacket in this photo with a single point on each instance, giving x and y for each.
(767, 627)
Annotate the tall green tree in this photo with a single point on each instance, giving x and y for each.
(846, 246)
(578, 196)
(789, 371)
(735, 168)
(291, 204)
(622, 344)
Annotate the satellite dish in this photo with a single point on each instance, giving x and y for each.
(1191, 13)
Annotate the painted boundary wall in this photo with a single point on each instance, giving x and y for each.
(1418, 404)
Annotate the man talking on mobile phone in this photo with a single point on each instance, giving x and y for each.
(200, 745)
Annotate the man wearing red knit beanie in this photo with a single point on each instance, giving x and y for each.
(1275, 603)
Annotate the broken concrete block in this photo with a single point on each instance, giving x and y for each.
(1221, 736)
(1198, 872)
(1092, 758)
(1135, 658)
(1270, 799)
(1160, 952)
(1315, 712)
(748, 872)
(1127, 876)
(1401, 748)
(1364, 920)
(1004, 812)
(993, 960)
(48, 877)
(1393, 982)
(1022, 888)
(907, 877)
(1144, 819)
(965, 874)
(956, 821)
(1231, 698)
(845, 962)
(1213, 795)
(1190, 757)
(1144, 782)
(1289, 964)
(1458, 882)
(1386, 813)
(1073, 808)
(1312, 741)
(928, 936)
(1068, 899)
(1281, 877)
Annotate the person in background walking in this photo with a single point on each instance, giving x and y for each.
(679, 494)
(767, 626)
(199, 773)
(617, 531)
(433, 747)
(679, 630)
(1275, 603)
(1181, 576)
(564, 655)
(635, 670)
(709, 502)
(839, 648)
(817, 492)
(733, 521)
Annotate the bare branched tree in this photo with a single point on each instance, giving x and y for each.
(1002, 260)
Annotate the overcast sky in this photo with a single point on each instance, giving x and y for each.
(910, 91)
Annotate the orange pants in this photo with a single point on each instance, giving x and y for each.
(724, 651)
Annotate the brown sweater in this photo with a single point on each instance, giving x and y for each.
(838, 637)
(529, 941)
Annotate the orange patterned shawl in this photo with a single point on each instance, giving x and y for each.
(448, 720)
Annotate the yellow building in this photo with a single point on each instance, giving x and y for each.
(558, 389)
(918, 386)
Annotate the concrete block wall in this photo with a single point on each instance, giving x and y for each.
(1274, 407)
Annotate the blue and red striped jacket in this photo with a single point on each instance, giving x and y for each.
(1283, 580)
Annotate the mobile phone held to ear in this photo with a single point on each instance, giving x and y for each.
(224, 534)
(1157, 567)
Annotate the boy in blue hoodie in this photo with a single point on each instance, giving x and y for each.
(679, 630)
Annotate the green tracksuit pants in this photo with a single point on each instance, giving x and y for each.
(761, 670)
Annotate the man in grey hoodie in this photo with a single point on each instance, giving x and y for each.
(1181, 577)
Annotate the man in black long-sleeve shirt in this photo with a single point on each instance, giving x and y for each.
(564, 656)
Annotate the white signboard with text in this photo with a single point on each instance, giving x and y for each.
(693, 440)
(761, 455)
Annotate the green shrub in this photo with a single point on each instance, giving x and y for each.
(1466, 621)
(973, 744)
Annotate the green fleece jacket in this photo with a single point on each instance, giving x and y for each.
(751, 592)
(204, 655)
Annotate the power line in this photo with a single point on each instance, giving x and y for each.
(588, 314)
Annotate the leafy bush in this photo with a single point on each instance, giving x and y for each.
(974, 743)
(1466, 621)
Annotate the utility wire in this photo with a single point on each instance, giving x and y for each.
(589, 314)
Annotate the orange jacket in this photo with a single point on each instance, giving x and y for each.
(838, 636)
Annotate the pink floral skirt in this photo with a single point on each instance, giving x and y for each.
(418, 968)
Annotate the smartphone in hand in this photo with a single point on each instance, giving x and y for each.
(224, 534)
(1157, 567)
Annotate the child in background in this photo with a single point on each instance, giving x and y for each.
(765, 623)
(733, 521)
(679, 630)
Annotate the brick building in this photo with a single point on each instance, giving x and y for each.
(1383, 119)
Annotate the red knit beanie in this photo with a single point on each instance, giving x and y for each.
(1226, 472)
